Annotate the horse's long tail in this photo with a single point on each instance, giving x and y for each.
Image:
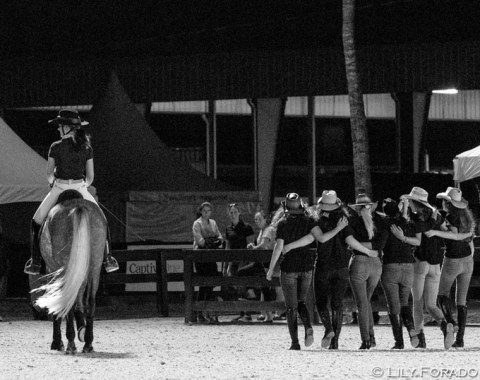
(61, 292)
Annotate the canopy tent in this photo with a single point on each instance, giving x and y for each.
(22, 170)
(139, 178)
(466, 165)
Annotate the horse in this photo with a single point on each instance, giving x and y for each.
(72, 243)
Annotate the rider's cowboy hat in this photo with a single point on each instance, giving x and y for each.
(454, 196)
(363, 200)
(329, 201)
(293, 204)
(420, 195)
(68, 117)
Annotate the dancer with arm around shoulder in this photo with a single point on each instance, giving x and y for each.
(398, 269)
(457, 230)
(296, 267)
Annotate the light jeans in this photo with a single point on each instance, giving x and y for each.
(397, 281)
(365, 273)
(460, 270)
(426, 280)
(52, 197)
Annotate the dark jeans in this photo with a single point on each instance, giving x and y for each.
(365, 273)
(397, 282)
(331, 284)
(205, 293)
(295, 287)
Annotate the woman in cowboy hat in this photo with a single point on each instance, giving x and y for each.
(458, 262)
(428, 257)
(69, 167)
(333, 255)
(296, 266)
(398, 269)
(366, 269)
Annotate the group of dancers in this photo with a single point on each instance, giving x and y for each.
(408, 245)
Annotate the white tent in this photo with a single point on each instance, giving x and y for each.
(22, 170)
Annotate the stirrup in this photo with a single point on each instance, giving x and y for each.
(32, 268)
(111, 264)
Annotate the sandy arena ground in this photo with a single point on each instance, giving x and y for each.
(166, 348)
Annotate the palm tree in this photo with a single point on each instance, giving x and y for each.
(358, 122)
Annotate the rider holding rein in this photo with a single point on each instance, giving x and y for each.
(69, 167)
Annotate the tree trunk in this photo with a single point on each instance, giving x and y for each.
(358, 122)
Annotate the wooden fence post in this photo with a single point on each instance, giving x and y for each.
(189, 290)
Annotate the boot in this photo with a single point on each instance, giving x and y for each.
(34, 264)
(396, 323)
(305, 317)
(444, 303)
(365, 345)
(373, 342)
(337, 320)
(291, 314)
(110, 263)
(421, 340)
(407, 318)
(327, 324)
(448, 334)
(462, 321)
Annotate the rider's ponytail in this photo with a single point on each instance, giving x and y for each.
(82, 139)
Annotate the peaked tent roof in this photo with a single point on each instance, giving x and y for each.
(466, 165)
(129, 155)
(22, 170)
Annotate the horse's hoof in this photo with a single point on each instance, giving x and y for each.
(71, 349)
(81, 334)
(87, 349)
(58, 346)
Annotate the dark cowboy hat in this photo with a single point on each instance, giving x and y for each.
(293, 204)
(363, 200)
(68, 117)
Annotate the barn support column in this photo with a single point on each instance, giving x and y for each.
(411, 121)
(312, 152)
(210, 120)
(267, 114)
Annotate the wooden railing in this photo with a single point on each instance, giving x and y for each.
(191, 279)
(245, 255)
(161, 277)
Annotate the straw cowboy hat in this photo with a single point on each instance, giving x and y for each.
(293, 204)
(363, 200)
(454, 196)
(329, 201)
(68, 117)
(420, 195)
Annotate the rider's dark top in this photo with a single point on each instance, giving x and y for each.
(69, 162)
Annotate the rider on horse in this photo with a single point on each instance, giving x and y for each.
(69, 167)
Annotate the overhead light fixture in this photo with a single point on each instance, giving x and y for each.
(448, 91)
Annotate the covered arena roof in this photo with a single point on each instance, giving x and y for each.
(60, 52)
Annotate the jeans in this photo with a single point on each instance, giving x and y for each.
(426, 279)
(460, 270)
(397, 282)
(295, 287)
(332, 283)
(365, 273)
